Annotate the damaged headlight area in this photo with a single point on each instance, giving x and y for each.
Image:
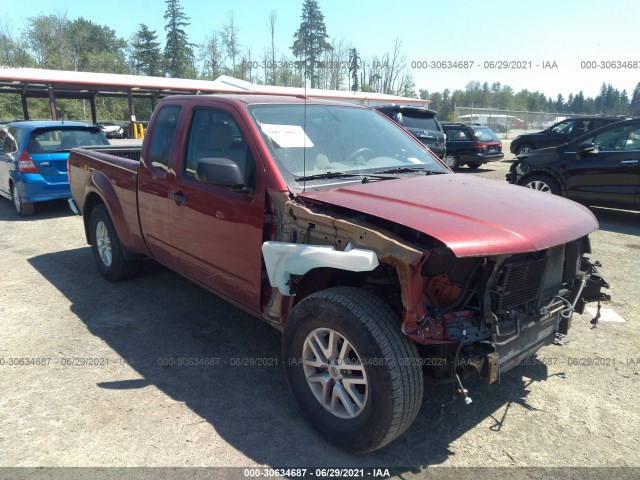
(486, 315)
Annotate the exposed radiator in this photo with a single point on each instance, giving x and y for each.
(534, 279)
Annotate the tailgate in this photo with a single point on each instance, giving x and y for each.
(52, 166)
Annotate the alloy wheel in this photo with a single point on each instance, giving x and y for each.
(335, 373)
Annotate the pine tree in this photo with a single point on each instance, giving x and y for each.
(310, 40)
(146, 57)
(634, 106)
(354, 66)
(178, 53)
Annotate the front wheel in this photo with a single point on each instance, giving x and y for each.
(351, 371)
(23, 209)
(107, 250)
(524, 148)
(542, 183)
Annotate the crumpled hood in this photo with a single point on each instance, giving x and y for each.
(472, 216)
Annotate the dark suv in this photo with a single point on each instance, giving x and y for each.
(470, 145)
(419, 122)
(600, 168)
(561, 132)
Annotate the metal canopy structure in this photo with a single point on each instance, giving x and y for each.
(54, 84)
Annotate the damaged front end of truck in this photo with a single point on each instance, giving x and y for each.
(477, 313)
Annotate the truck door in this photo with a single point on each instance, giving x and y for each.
(216, 230)
(154, 181)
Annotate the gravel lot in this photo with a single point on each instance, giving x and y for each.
(105, 396)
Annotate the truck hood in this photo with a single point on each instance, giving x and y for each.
(472, 216)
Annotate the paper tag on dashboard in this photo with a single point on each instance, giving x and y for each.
(287, 136)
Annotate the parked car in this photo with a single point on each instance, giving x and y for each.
(471, 145)
(599, 168)
(559, 133)
(331, 223)
(111, 130)
(33, 160)
(419, 122)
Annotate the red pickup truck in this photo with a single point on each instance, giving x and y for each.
(380, 266)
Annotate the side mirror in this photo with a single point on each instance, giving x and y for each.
(219, 171)
(585, 148)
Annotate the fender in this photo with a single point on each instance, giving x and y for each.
(99, 184)
(284, 259)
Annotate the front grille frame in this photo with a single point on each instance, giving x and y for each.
(527, 282)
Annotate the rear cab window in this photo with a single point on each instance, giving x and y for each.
(162, 136)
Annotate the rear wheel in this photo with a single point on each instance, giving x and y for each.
(473, 166)
(452, 161)
(107, 250)
(542, 183)
(24, 209)
(351, 370)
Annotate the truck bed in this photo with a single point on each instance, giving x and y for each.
(115, 176)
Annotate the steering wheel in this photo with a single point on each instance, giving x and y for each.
(359, 152)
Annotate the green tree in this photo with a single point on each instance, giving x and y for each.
(94, 48)
(310, 40)
(145, 57)
(178, 52)
(354, 66)
(634, 105)
(47, 41)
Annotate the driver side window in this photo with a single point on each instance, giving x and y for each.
(215, 134)
(619, 138)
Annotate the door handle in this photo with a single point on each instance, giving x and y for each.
(178, 197)
(629, 161)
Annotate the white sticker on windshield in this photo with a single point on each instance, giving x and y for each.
(287, 136)
(415, 160)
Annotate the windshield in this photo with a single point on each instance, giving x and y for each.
(314, 139)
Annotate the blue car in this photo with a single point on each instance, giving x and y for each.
(33, 160)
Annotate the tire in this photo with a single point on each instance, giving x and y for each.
(473, 166)
(525, 148)
(107, 250)
(542, 183)
(452, 161)
(23, 209)
(386, 396)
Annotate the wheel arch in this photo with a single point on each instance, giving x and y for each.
(100, 191)
(388, 289)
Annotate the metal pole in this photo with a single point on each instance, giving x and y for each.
(23, 100)
(92, 104)
(52, 103)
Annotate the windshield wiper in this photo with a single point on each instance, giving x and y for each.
(327, 175)
(426, 171)
(344, 175)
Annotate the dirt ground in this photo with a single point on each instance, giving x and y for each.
(93, 385)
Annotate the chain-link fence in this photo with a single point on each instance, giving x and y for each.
(509, 123)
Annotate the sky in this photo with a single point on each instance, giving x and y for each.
(510, 42)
